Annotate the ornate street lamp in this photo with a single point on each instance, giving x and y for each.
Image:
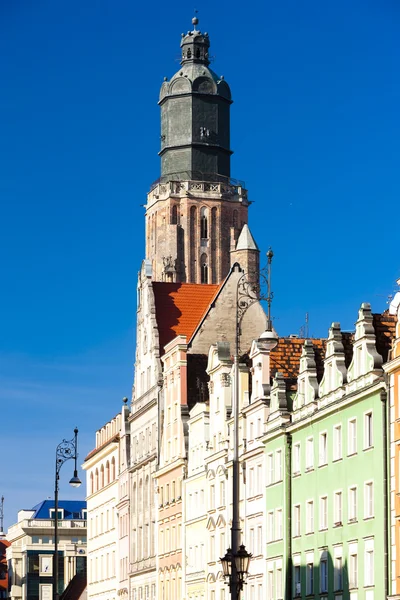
(65, 451)
(235, 563)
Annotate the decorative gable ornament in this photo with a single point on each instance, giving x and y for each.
(335, 373)
(278, 396)
(307, 382)
(365, 355)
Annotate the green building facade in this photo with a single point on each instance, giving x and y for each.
(326, 471)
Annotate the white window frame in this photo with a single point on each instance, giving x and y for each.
(369, 564)
(309, 579)
(297, 459)
(337, 442)
(278, 524)
(278, 465)
(353, 570)
(338, 507)
(309, 453)
(323, 513)
(351, 439)
(323, 581)
(368, 430)
(369, 500)
(323, 448)
(270, 526)
(296, 520)
(270, 468)
(352, 504)
(310, 516)
(338, 574)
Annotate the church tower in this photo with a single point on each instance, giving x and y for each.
(195, 211)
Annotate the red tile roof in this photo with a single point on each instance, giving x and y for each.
(285, 358)
(180, 308)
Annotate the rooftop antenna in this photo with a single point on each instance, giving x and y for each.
(2, 516)
(270, 294)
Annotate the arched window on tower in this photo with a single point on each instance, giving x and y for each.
(174, 215)
(235, 219)
(189, 53)
(203, 223)
(198, 53)
(204, 268)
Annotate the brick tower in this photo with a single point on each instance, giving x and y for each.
(195, 211)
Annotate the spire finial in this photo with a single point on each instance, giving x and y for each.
(195, 19)
(270, 294)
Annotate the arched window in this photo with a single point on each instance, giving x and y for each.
(189, 53)
(204, 268)
(91, 483)
(203, 223)
(174, 215)
(113, 469)
(235, 219)
(146, 491)
(198, 53)
(102, 476)
(140, 495)
(134, 498)
(96, 480)
(108, 472)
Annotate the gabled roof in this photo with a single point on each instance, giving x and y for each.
(285, 358)
(180, 308)
(72, 509)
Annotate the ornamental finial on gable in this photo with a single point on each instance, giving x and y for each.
(307, 382)
(335, 374)
(365, 356)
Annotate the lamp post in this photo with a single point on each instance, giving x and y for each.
(66, 450)
(235, 563)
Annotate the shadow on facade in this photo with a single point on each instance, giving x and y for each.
(323, 577)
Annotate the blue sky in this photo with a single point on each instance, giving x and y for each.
(315, 130)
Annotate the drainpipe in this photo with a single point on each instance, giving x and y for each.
(288, 493)
(385, 490)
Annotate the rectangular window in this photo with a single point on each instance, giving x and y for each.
(270, 469)
(368, 500)
(368, 431)
(352, 437)
(309, 579)
(353, 571)
(338, 575)
(369, 567)
(352, 504)
(310, 517)
(212, 496)
(297, 581)
(338, 508)
(278, 465)
(323, 576)
(310, 454)
(323, 449)
(296, 520)
(279, 525)
(270, 529)
(279, 586)
(296, 459)
(323, 513)
(270, 584)
(337, 442)
(259, 540)
(259, 480)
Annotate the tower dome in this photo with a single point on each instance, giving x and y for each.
(195, 116)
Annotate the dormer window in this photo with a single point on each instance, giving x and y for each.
(60, 511)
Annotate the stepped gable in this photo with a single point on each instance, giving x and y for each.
(285, 359)
(180, 308)
(385, 331)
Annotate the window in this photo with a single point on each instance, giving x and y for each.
(270, 526)
(278, 465)
(297, 581)
(323, 575)
(270, 469)
(353, 571)
(368, 500)
(368, 431)
(296, 459)
(337, 442)
(310, 517)
(204, 269)
(270, 585)
(222, 493)
(203, 223)
(338, 574)
(338, 508)
(352, 504)
(323, 452)
(369, 566)
(296, 519)
(279, 586)
(259, 540)
(212, 497)
(323, 513)
(352, 437)
(279, 525)
(309, 579)
(309, 454)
